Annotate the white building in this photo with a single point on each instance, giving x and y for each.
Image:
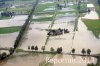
(90, 6)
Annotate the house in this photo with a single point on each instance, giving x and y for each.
(91, 7)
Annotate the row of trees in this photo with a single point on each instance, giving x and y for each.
(7, 14)
(36, 48)
(32, 47)
(83, 51)
(59, 49)
(20, 35)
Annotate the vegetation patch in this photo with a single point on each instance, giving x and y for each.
(24, 10)
(41, 7)
(83, 7)
(42, 19)
(42, 13)
(19, 50)
(6, 30)
(4, 17)
(93, 25)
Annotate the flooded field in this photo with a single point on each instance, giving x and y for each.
(63, 60)
(37, 35)
(26, 60)
(18, 20)
(7, 40)
(57, 60)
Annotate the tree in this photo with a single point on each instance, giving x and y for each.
(88, 51)
(83, 51)
(11, 50)
(51, 49)
(99, 2)
(59, 50)
(0, 56)
(73, 50)
(65, 4)
(32, 47)
(79, 3)
(43, 48)
(3, 55)
(36, 48)
(29, 48)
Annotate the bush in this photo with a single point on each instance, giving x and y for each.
(90, 64)
(51, 49)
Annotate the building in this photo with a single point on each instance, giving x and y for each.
(90, 6)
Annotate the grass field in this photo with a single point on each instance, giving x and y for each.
(19, 2)
(24, 10)
(93, 25)
(41, 7)
(9, 30)
(3, 17)
(43, 19)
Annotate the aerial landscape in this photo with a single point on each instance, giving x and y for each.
(49, 32)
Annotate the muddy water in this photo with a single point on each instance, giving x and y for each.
(85, 39)
(57, 60)
(7, 40)
(28, 60)
(36, 36)
(63, 60)
(18, 20)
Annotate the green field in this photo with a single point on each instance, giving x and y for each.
(43, 19)
(93, 25)
(19, 2)
(3, 17)
(24, 10)
(9, 30)
(41, 7)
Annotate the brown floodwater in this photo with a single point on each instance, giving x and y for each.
(36, 36)
(57, 60)
(25, 60)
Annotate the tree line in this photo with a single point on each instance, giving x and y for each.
(20, 35)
